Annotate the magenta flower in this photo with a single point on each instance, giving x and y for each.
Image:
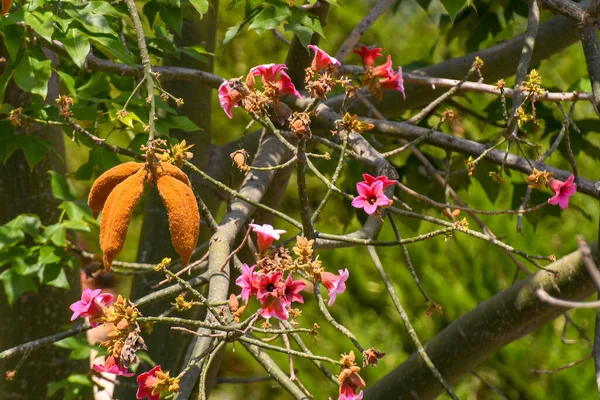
(248, 281)
(228, 98)
(285, 86)
(370, 197)
(370, 179)
(112, 366)
(91, 305)
(147, 384)
(268, 72)
(562, 191)
(266, 235)
(350, 396)
(368, 55)
(335, 284)
(384, 70)
(292, 290)
(272, 297)
(395, 82)
(322, 59)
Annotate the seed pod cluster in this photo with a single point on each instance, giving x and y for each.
(117, 192)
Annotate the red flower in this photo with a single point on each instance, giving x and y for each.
(229, 98)
(395, 82)
(292, 290)
(370, 179)
(368, 55)
(335, 284)
(112, 366)
(91, 305)
(147, 384)
(272, 296)
(562, 191)
(248, 281)
(321, 59)
(370, 197)
(268, 72)
(384, 70)
(266, 235)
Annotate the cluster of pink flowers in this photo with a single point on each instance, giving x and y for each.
(91, 305)
(275, 294)
(370, 193)
(562, 191)
(381, 76)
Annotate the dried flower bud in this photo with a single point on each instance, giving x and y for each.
(239, 158)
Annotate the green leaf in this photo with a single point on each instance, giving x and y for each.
(15, 285)
(4, 79)
(92, 22)
(303, 26)
(100, 157)
(61, 188)
(113, 47)
(56, 233)
(53, 275)
(172, 17)
(10, 236)
(79, 346)
(200, 5)
(270, 18)
(68, 81)
(28, 223)
(32, 75)
(12, 39)
(454, 6)
(41, 23)
(47, 255)
(76, 225)
(181, 122)
(77, 45)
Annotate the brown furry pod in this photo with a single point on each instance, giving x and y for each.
(105, 184)
(182, 209)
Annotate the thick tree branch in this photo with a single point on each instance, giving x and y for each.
(496, 322)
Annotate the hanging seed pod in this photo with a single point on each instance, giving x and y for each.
(172, 170)
(117, 214)
(182, 209)
(106, 182)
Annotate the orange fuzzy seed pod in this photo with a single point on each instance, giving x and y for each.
(174, 171)
(106, 182)
(117, 215)
(184, 219)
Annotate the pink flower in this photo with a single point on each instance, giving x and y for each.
(248, 281)
(266, 235)
(395, 82)
(285, 85)
(322, 59)
(562, 191)
(229, 98)
(147, 384)
(112, 366)
(368, 55)
(370, 179)
(370, 197)
(335, 284)
(272, 297)
(91, 305)
(268, 72)
(292, 290)
(384, 70)
(351, 396)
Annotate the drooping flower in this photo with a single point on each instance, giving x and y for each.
(91, 305)
(368, 55)
(370, 197)
(395, 82)
(229, 98)
(292, 290)
(266, 235)
(272, 297)
(248, 281)
(370, 179)
(384, 70)
(154, 382)
(358, 396)
(562, 191)
(350, 380)
(335, 284)
(112, 366)
(321, 59)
